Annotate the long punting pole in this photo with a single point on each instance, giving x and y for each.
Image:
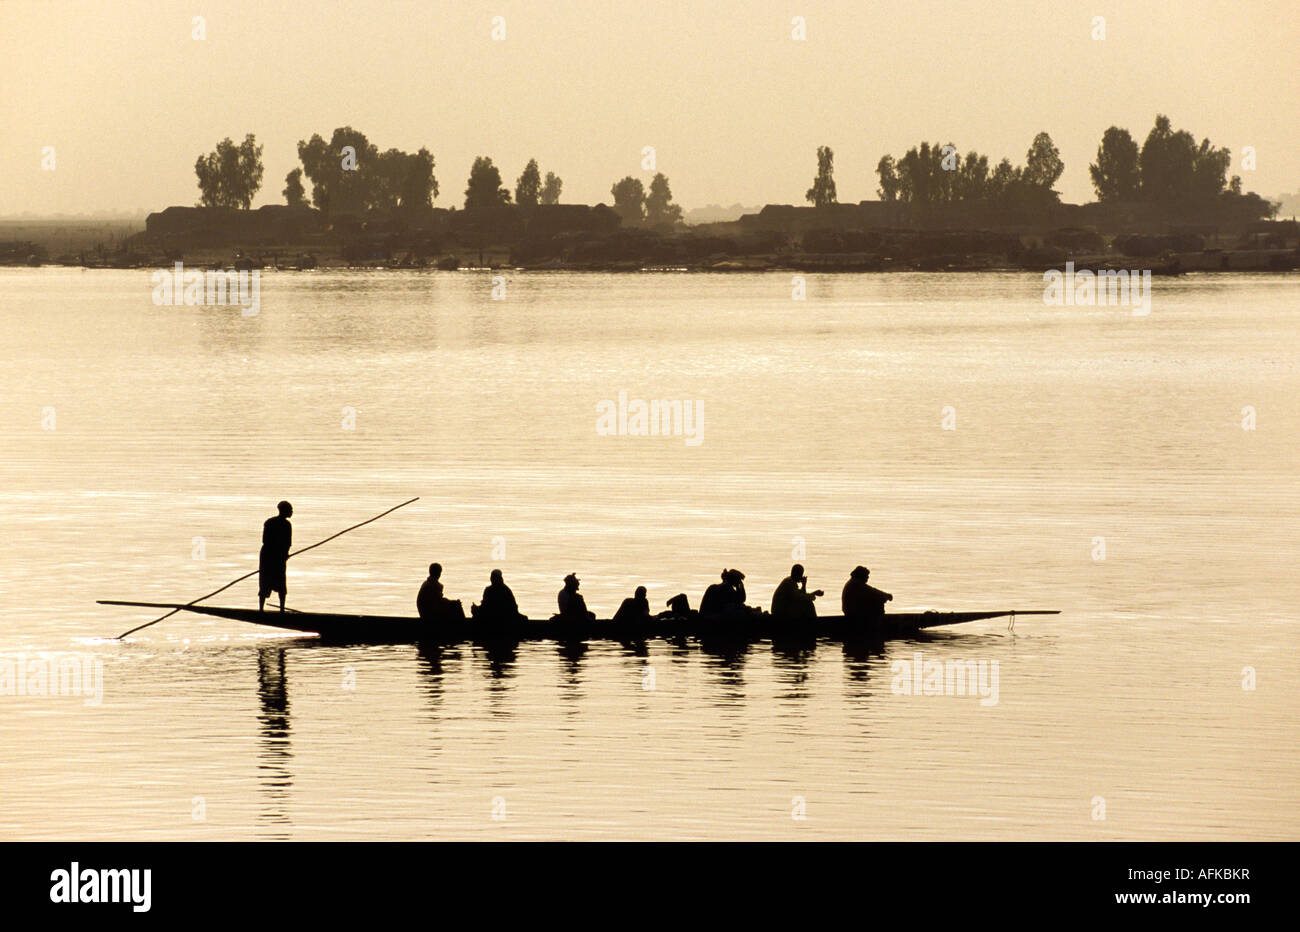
(254, 572)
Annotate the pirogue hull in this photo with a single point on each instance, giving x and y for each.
(391, 629)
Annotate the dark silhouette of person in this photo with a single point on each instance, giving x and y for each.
(737, 580)
(277, 539)
(635, 609)
(679, 606)
(573, 607)
(792, 601)
(498, 603)
(430, 602)
(725, 598)
(863, 603)
(717, 598)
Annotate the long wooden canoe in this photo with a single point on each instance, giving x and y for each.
(393, 629)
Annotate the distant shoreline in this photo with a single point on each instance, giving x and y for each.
(578, 238)
(1247, 263)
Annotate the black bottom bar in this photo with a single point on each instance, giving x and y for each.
(931, 882)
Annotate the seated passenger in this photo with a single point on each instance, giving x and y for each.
(573, 607)
(860, 602)
(725, 598)
(792, 601)
(499, 603)
(430, 603)
(717, 597)
(634, 610)
(679, 606)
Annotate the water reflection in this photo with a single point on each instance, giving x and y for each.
(275, 753)
(432, 662)
(791, 657)
(858, 655)
(635, 648)
(572, 653)
(725, 659)
(971, 499)
(501, 656)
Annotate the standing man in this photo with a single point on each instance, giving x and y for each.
(277, 539)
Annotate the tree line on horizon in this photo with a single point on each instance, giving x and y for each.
(938, 174)
(349, 174)
(1170, 167)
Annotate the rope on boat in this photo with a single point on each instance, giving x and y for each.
(1011, 622)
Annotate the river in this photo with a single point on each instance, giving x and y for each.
(974, 446)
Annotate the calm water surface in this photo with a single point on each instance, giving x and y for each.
(176, 429)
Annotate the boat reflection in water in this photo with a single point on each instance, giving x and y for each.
(571, 653)
(434, 664)
(858, 656)
(790, 659)
(275, 753)
(442, 667)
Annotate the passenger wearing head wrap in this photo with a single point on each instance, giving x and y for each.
(726, 597)
(499, 603)
(573, 607)
(861, 602)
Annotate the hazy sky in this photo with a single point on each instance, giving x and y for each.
(734, 107)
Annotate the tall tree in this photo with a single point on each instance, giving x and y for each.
(885, 168)
(920, 178)
(230, 176)
(822, 192)
(551, 189)
(629, 199)
(1167, 162)
(911, 184)
(1043, 165)
(659, 208)
(294, 193)
(400, 180)
(420, 186)
(1210, 170)
(485, 188)
(208, 168)
(383, 176)
(343, 172)
(972, 177)
(528, 188)
(1115, 174)
(1003, 181)
(350, 175)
